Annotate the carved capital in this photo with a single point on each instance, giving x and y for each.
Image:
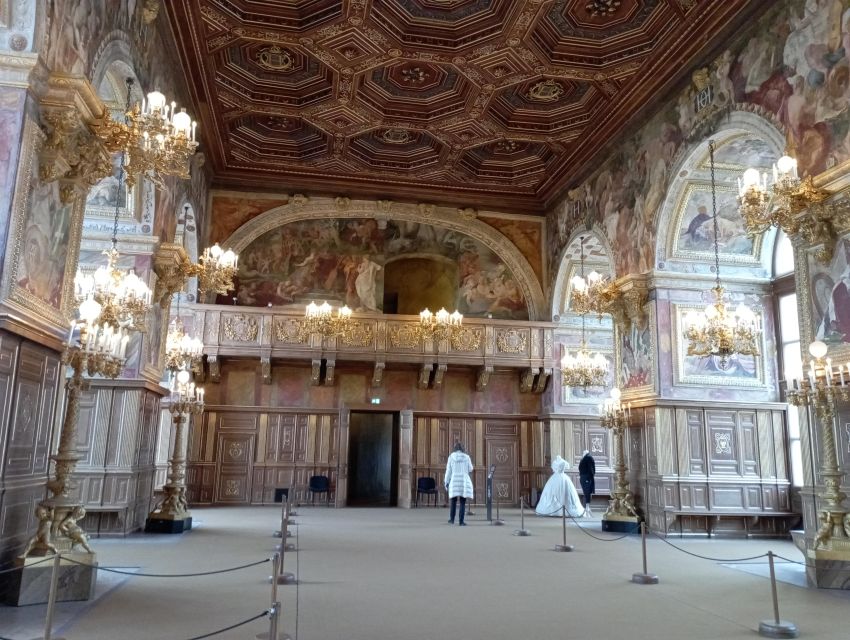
(626, 302)
(170, 265)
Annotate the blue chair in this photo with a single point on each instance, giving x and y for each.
(320, 484)
(428, 486)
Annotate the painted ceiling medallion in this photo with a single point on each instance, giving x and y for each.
(396, 136)
(275, 59)
(414, 75)
(597, 8)
(506, 146)
(545, 91)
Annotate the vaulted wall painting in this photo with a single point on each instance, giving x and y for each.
(794, 67)
(343, 261)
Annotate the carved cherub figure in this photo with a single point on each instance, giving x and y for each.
(73, 531)
(40, 542)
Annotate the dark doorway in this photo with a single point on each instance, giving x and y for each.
(372, 459)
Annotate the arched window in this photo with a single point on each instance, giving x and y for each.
(790, 361)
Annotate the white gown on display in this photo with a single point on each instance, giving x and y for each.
(559, 492)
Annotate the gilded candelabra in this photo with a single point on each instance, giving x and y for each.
(616, 417)
(185, 400)
(101, 351)
(822, 389)
(795, 205)
(322, 320)
(438, 326)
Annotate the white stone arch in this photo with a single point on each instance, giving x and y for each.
(597, 255)
(445, 217)
(691, 173)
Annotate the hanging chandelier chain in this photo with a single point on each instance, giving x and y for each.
(121, 168)
(714, 213)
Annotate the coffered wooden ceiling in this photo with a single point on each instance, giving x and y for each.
(484, 102)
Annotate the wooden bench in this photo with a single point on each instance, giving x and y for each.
(713, 518)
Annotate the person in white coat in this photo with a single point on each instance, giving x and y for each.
(458, 483)
(559, 492)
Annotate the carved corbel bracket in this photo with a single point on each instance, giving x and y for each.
(330, 365)
(425, 375)
(316, 372)
(541, 380)
(526, 379)
(483, 377)
(627, 303)
(171, 264)
(439, 373)
(215, 368)
(378, 373)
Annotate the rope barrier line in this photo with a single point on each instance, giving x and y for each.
(697, 555)
(168, 575)
(298, 584)
(625, 535)
(32, 564)
(233, 626)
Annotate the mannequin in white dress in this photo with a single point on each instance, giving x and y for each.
(559, 492)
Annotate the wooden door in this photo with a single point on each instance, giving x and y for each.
(235, 456)
(503, 453)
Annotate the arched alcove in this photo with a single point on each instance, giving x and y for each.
(490, 268)
(186, 235)
(597, 257)
(416, 282)
(685, 236)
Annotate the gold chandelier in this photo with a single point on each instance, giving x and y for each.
(181, 350)
(157, 140)
(593, 294)
(796, 206)
(215, 270)
(584, 369)
(321, 319)
(717, 331)
(438, 326)
(185, 397)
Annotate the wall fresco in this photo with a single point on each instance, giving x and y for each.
(526, 235)
(792, 67)
(829, 291)
(343, 260)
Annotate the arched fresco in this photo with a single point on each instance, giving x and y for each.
(320, 249)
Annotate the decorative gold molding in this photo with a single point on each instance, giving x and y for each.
(169, 265)
(241, 328)
(288, 330)
(361, 334)
(512, 341)
(467, 339)
(404, 336)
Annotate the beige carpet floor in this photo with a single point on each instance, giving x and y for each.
(392, 574)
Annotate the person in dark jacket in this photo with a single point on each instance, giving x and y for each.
(586, 471)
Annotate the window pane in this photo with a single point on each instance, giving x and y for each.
(792, 361)
(796, 464)
(789, 324)
(783, 256)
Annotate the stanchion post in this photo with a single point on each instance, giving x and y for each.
(522, 531)
(645, 577)
(274, 607)
(497, 521)
(564, 546)
(776, 628)
(51, 598)
(281, 576)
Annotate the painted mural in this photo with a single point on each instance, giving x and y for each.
(44, 245)
(11, 119)
(229, 212)
(696, 225)
(829, 287)
(526, 235)
(343, 260)
(793, 67)
(636, 353)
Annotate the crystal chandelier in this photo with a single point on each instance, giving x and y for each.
(185, 397)
(592, 294)
(124, 298)
(797, 206)
(584, 369)
(322, 320)
(718, 331)
(101, 347)
(156, 138)
(215, 270)
(181, 350)
(439, 326)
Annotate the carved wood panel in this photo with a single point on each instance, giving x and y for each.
(723, 445)
(235, 457)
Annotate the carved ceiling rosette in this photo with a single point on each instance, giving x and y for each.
(241, 328)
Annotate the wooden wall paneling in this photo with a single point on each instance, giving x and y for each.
(342, 454)
(651, 441)
(406, 490)
(234, 474)
(748, 429)
(768, 448)
(690, 434)
(723, 442)
(781, 453)
(9, 346)
(665, 442)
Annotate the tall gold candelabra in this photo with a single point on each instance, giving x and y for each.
(185, 400)
(616, 416)
(822, 389)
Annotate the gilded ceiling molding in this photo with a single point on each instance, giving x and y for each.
(445, 217)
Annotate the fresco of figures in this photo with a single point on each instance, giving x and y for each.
(794, 67)
(344, 259)
(696, 228)
(829, 287)
(636, 358)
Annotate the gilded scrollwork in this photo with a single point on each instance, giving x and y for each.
(467, 339)
(360, 334)
(404, 336)
(512, 341)
(241, 328)
(289, 331)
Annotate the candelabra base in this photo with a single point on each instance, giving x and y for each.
(285, 578)
(829, 568)
(164, 523)
(617, 523)
(31, 583)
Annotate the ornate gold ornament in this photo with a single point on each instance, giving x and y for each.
(289, 331)
(321, 319)
(717, 331)
(360, 334)
(404, 336)
(593, 294)
(616, 417)
(181, 350)
(512, 341)
(396, 136)
(275, 59)
(597, 8)
(796, 206)
(241, 328)
(467, 339)
(547, 90)
(822, 389)
(439, 326)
